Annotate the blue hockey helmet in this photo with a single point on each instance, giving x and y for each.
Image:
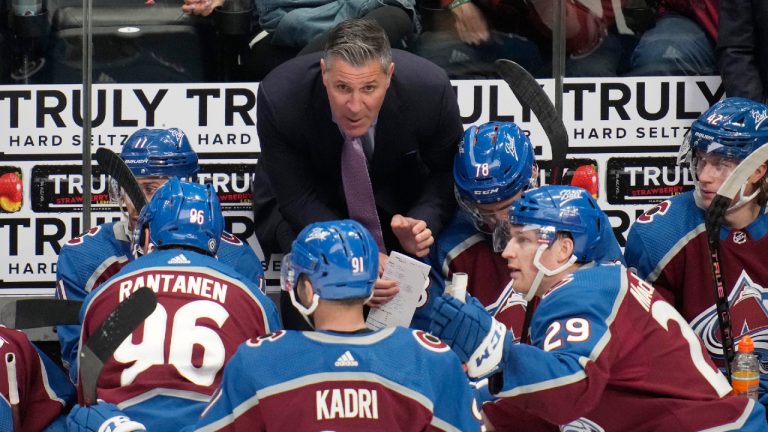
(554, 209)
(160, 152)
(340, 258)
(494, 163)
(182, 214)
(733, 128)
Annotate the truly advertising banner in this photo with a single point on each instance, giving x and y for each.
(624, 135)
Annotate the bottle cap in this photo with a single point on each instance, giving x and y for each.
(746, 344)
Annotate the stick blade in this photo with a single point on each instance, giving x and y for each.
(528, 91)
(117, 169)
(32, 313)
(105, 339)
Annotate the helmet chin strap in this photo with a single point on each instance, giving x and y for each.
(544, 271)
(306, 312)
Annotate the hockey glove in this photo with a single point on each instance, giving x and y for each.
(101, 417)
(474, 336)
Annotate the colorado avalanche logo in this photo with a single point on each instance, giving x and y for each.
(660, 209)
(582, 425)
(749, 315)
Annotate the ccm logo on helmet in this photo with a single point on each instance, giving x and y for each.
(486, 192)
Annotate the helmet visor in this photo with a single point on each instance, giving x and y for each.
(287, 273)
(718, 167)
(501, 235)
(684, 154)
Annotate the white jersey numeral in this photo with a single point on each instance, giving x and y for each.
(577, 329)
(184, 335)
(663, 313)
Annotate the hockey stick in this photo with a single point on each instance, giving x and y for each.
(529, 93)
(118, 170)
(712, 222)
(105, 339)
(13, 390)
(40, 312)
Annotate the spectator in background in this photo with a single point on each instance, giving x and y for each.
(485, 30)
(398, 107)
(297, 27)
(682, 41)
(742, 48)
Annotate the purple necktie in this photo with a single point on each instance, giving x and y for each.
(358, 190)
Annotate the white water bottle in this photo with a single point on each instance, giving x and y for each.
(458, 286)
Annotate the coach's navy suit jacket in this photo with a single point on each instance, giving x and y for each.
(742, 50)
(416, 137)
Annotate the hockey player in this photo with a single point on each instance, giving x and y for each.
(154, 156)
(607, 352)
(342, 376)
(492, 168)
(34, 391)
(667, 245)
(165, 373)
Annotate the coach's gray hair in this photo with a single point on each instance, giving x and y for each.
(357, 42)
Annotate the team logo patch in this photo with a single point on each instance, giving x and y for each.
(739, 237)
(430, 342)
(582, 425)
(230, 238)
(749, 315)
(271, 337)
(211, 245)
(79, 240)
(659, 209)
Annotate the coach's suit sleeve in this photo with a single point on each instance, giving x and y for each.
(287, 166)
(436, 204)
(737, 55)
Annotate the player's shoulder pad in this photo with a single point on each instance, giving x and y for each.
(96, 233)
(678, 207)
